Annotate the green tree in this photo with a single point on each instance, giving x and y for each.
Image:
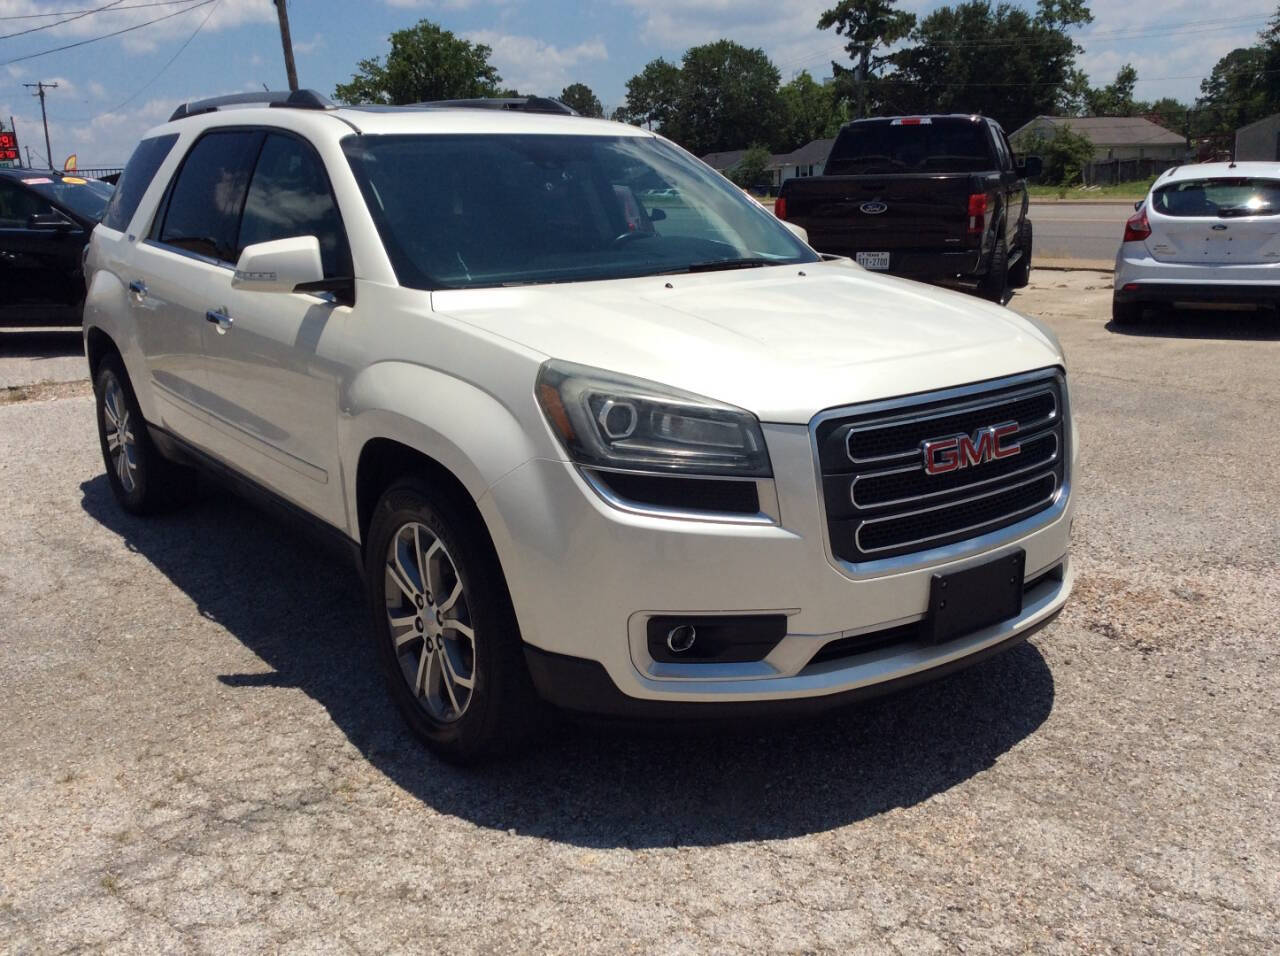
(1116, 99)
(652, 95)
(1065, 154)
(1236, 92)
(425, 63)
(727, 95)
(579, 96)
(868, 25)
(809, 111)
(753, 168)
(996, 60)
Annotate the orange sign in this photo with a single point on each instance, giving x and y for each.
(70, 164)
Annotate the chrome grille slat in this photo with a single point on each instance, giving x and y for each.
(887, 505)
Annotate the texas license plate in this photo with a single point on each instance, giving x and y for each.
(873, 260)
(966, 601)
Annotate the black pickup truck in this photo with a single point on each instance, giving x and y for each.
(936, 198)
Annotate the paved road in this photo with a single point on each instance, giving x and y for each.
(1079, 231)
(29, 356)
(198, 755)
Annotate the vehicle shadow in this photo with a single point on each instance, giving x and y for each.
(1169, 323)
(586, 784)
(40, 343)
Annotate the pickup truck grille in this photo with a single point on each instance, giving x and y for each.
(881, 502)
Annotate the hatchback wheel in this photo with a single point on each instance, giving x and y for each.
(447, 636)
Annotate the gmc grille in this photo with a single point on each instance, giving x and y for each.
(881, 502)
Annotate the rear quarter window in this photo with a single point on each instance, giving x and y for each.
(137, 176)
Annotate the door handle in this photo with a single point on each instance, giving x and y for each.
(220, 319)
(139, 289)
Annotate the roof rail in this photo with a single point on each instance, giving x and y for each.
(298, 100)
(527, 104)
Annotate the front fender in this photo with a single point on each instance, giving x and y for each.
(471, 432)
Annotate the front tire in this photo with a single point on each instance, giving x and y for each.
(446, 633)
(142, 480)
(995, 283)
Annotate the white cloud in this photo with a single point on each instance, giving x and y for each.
(307, 47)
(535, 66)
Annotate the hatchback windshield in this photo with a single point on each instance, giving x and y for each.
(85, 197)
(1219, 197)
(928, 146)
(457, 211)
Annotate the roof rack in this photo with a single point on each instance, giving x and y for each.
(527, 104)
(298, 100)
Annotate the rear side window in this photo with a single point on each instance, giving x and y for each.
(290, 196)
(135, 179)
(932, 146)
(203, 214)
(1222, 197)
(18, 204)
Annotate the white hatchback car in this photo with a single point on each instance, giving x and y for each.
(1207, 233)
(658, 461)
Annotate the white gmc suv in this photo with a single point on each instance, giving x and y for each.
(600, 429)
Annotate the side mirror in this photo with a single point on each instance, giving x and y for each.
(1138, 204)
(1031, 167)
(800, 232)
(52, 221)
(280, 266)
(657, 215)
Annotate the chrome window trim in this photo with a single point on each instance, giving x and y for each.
(766, 491)
(960, 549)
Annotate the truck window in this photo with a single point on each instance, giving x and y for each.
(936, 146)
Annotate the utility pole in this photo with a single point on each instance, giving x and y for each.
(39, 88)
(287, 42)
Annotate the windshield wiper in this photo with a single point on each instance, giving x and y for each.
(716, 265)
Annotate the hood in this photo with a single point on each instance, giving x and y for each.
(784, 342)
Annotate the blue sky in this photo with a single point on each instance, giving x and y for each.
(112, 91)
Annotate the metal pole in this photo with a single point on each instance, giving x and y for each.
(287, 42)
(40, 87)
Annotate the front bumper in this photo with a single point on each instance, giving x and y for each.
(585, 578)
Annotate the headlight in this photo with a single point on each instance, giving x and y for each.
(605, 420)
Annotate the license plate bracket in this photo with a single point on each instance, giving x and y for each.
(962, 602)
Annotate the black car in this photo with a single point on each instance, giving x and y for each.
(936, 198)
(46, 217)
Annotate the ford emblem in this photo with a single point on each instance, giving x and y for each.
(873, 208)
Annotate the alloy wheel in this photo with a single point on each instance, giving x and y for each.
(122, 443)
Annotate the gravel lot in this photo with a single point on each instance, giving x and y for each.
(198, 754)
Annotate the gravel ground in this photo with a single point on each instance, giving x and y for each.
(199, 757)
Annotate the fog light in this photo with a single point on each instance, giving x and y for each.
(681, 638)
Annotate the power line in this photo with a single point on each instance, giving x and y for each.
(58, 23)
(64, 13)
(107, 36)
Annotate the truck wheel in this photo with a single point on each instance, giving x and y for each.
(1020, 274)
(446, 633)
(995, 283)
(142, 480)
(1125, 313)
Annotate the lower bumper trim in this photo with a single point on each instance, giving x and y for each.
(584, 686)
(1199, 292)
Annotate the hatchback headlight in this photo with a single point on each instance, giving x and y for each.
(606, 420)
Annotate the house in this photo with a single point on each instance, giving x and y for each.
(1259, 141)
(808, 160)
(1113, 137)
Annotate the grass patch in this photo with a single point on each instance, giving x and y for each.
(1133, 191)
(44, 391)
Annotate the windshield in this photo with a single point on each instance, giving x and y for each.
(924, 146)
(1219, 197)
(85, 197)
(461, 211)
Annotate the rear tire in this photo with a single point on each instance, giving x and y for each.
(446, 633)
(1020, 274)
(142, 480)
(1125, 312)
(995, 283)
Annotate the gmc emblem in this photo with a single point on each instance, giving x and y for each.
(943, 455)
